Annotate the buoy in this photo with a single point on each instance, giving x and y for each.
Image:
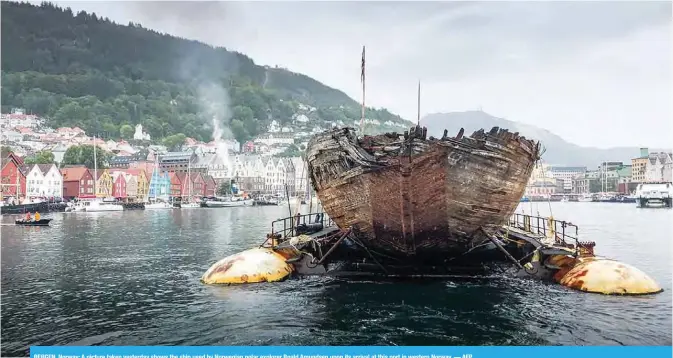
(610, 277)
(250, 266)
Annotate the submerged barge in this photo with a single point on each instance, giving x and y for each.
(525, 246)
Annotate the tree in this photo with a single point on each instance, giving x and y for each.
(83, 155)
(92, 83)
(238, 130)
(126, 132)
(5, 150)
(291, 151)
(41, 157)
(174, 141)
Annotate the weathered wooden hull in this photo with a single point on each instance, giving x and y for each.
(417, 197)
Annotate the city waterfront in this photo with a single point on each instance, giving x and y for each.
(132, 278)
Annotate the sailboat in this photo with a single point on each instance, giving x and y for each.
(189, 204)
(236, 199)
(156, 204)
(98, 205)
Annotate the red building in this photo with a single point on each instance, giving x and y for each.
(12, 176)
(248, 147)
(77, 183)
(198, 185)
(119, 187)
(176, 183)
(209, 186)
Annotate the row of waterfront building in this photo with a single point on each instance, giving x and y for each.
(168, 176)
(614, 177)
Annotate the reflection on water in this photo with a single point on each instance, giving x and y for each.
(132, 278)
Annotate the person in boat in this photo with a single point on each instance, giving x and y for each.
(28, 217)
(37, 216)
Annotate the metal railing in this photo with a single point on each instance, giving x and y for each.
(286, 227)
(562, 231)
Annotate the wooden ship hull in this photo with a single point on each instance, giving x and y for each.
(412, 197)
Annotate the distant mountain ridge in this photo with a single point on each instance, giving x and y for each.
(557, 150)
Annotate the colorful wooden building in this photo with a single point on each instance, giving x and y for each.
(77, 182)
(103, 184)
(13, 178)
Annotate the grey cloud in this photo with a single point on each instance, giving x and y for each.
(490, 53)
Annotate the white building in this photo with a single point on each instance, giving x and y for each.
(19, 119)
(11, 136)
(139, 134)
(44, 180)
(274, 127)
(69, 133)
(566, 174)
(59, 152)
(264, 174)
(275, 138)
(301, 118)
(658, 167)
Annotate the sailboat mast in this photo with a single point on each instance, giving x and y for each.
(418, 110)
(95, 167)
(189, 178)
(362, 79)
(156, 176)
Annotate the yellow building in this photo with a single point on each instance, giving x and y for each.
(639, 166)
(143, 183)
(103, 184)
(138, 190)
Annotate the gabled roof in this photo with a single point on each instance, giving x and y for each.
(99, 173)
(45, 168)
(181, 176)
(11, 156)
(73, 173)
(208, 179)
(117, 174)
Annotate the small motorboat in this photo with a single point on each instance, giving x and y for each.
(41, 222)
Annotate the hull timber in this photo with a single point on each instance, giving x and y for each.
(406, 195)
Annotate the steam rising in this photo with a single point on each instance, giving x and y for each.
(214, 102)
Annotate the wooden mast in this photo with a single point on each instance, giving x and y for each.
(362, 79)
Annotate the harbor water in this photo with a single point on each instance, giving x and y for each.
(132, 278)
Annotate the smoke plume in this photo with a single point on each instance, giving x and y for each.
(215, 104)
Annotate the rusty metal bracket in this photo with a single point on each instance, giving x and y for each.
(331, 249)
(494, 240)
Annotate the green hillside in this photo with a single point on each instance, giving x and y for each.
(87, 71)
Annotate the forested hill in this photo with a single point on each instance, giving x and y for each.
(87, 71)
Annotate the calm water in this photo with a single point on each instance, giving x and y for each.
(132, 278)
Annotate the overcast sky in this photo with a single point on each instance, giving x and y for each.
(596, 73)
